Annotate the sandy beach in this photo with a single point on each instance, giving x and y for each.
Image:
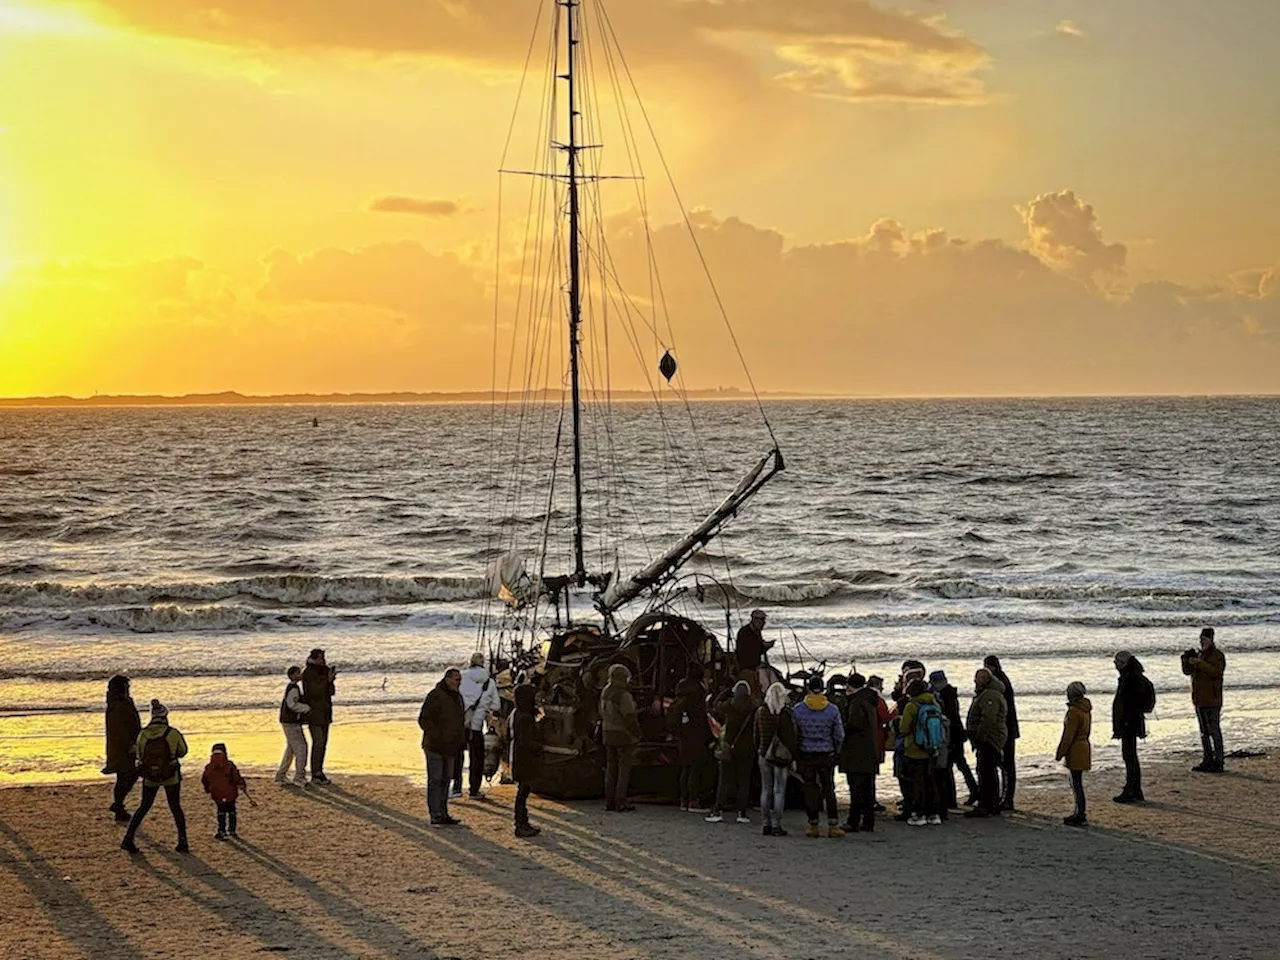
(354, 871)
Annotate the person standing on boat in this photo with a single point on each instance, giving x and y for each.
(751, 652)
(318, 690)
(1205, 668)
(480, 694)
(620, 726)
(123, 727)
(1008, 760)
(293, 714)
(443, 734)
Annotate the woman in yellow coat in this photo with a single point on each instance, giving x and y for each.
(1074, 749)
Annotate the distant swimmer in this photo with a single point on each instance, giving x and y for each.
(315, 421)
(384, 683)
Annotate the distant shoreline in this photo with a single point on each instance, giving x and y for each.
(233, 398)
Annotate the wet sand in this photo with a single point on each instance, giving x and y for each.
(354, 871)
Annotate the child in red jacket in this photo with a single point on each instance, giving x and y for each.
(222, 781)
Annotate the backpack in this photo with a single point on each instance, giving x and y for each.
(1148, 694)
(156, 762)
(930, 728)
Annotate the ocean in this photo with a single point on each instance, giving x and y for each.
(201, 550)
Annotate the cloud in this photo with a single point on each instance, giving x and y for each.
(1063, 231)
(851, 49)
(1069, 29)
(148, 280)
(393, 203)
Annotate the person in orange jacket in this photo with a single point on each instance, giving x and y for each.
(222, 781)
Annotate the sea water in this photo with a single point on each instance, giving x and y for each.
(201, 550)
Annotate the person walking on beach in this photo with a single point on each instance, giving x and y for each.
(1074, 749)
(1205, 667)
(526, 756)
(318, 690)
(620, 727)
(775, 740)
(924, 737)
(224, 784)
(736, 754)
(949, 700)
(443, 734)
(1008, 762)
(160, 750)
(123, 726)
(687, 722)
(987, 730)
(862, 752)
(750, 651)
(819, 738)
(293, 714)
(480, 694)
(1135, 698)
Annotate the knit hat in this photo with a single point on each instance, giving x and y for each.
(857, 681)
(757, 614)
(1123, 658)
(477, 659)
(1206, 633)
(158, 710)
(938, 677)
(1075, 690)
(219, 748)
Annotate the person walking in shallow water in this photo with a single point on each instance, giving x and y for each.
(1205, 668)
(1074, 749)
(161, 748)
(293, 714)
(123, 726)
(1135, 698)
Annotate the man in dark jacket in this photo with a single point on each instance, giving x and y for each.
(1205, 670)
(443, 736)
(123, 726)
(687, 722)
(526, 756)
(949, 702)
(860, 753)
(750, 650)
(1008, 762)
(620, 727)
(317, 691)
(1129, 722)
(987, 728)
(737, 753)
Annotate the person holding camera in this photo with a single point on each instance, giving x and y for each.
(317, 691)
(1205, 667)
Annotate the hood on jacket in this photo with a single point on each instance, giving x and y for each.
(816, 702)
(741, 693)
(1134, 665)
(218, 758)
(619, 677)
(524, 696)
(994, 684)
(1084, 703)
(689, 687)
(926, 697)
(775, 698)
(118, 688)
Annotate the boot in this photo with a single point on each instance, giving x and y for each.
(526, 831)
(869, 823)
(833, 830)
(812, 830)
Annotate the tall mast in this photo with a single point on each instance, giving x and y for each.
(572, 148)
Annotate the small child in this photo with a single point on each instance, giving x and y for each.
(222, 781)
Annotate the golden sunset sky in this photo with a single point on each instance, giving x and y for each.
(897, 197)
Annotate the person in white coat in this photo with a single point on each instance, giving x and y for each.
(293, 714)
(480, 698)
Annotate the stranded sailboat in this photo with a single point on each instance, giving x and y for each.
(563, 611)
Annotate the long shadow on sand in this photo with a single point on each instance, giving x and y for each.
(75, 918)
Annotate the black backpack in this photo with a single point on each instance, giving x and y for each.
(1148, 691)
(157, 762)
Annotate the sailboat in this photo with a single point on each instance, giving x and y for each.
(563, 610)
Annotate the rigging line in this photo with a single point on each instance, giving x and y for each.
(684, 214)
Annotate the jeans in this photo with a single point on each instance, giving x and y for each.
(773, 792)
(1077, 789)
(819, 786)
(988, 778)
(862, 799)
(1009, 771)
(295, 752)
(319, 744)
(924, 786)
(1132, 768)
(522, 804)
(125, 779)
(1211, 734)
(735, 781)
(172, 793)
(617, 776)
(474, 754)
(226, 816)
(439, 773)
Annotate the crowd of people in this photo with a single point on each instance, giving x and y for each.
(726, 741)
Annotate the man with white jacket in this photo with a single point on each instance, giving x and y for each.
(480, 698)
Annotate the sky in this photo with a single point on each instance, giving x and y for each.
(892, 197)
